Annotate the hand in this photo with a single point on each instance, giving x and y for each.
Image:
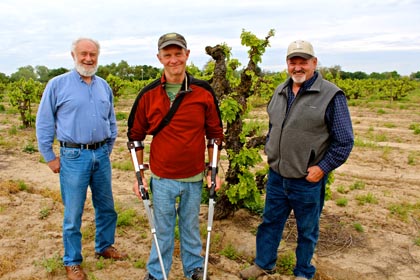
(136, 189)
(315, 174)
(218, 182)
(54, 165)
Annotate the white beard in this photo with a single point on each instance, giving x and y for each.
(299, 80)
(84, 71)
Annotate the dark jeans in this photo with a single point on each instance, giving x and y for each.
(306, 200)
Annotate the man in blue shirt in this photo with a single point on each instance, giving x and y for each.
(310, 135)
(77, 108)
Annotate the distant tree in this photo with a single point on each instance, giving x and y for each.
(415, 76)
(42, 73)
(124, 70)
(55, 72)
(359, 75)
(26, 73)
(4, 78)
(105, 70)
(377, 76)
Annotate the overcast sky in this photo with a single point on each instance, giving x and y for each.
(358, 35)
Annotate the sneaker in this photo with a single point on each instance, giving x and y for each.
(198, 274)
(253, 272)
(111, 253)
(301, 278)
(148, 276)
(75, 272)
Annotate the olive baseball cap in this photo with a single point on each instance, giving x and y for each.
(172, 39)
(300, 48)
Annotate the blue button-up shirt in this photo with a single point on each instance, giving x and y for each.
(75, 112)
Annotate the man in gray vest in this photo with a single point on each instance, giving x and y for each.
(310, 135)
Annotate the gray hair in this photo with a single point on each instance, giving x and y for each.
(75, 42)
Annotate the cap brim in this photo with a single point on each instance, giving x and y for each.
(303, 55)
(172, 42)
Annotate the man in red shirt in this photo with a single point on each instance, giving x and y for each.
(177, 153)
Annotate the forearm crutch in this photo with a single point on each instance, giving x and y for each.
(211, 202)
(132, 145)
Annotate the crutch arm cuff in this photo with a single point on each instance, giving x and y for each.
(211, 142)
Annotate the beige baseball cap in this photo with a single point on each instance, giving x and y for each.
(300, 48)
(172, 39)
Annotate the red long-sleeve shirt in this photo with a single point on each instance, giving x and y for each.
(178, 150)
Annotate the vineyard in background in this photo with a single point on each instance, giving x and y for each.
(25, 93)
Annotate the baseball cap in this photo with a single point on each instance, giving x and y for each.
(172, 39)
(300, 48)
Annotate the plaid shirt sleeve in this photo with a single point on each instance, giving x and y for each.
(341, 131)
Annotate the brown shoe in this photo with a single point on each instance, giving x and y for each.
(75, 272)
(111, 253)
(253, 272)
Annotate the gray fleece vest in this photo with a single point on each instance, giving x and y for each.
(299, 139)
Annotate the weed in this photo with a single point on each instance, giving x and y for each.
(415, 127)
(361, 143)
(389, 125)
(52, 265)
(368, 198)
(230, 252)
(126, 218)
(88, 232)
(30, 148)
(140, 264)
(44, 213)
(100, 264)
(342, 189)
(403, 210)
(358, 185)
(121, 116)
(358, 227)
(13, 130)
(123, 165)
(411, 159)
(286, 262)
(342, 201)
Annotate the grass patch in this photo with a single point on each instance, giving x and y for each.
(123, 165)
(368, 198)
(358, 185)
(404, 210)
(342, 201)
(230, 252)
(53, 265)
(415, 127)
(286, 262)
(358, 227)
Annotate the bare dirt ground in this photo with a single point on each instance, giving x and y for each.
(380, 182)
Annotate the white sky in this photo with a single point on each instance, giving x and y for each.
(358, 35)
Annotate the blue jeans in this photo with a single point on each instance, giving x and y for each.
(306, 200)
(165, 193)
(79, 169)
